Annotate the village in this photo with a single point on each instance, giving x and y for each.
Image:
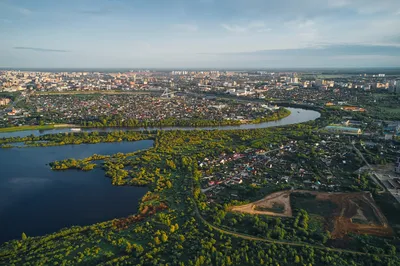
(327, 162)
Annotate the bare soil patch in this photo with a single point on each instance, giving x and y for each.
(352, 212)
(268, 204)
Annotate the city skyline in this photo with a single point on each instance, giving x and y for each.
(199, 34)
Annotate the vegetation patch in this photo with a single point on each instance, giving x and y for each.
(309, 203)
(276, 207)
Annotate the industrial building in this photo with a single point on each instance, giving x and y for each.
(344, 130)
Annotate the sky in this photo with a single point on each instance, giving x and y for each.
(199, 33)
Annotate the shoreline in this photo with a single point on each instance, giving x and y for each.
(36, 127)
(60, 126)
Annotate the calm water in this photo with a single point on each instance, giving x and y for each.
(38, 201)
(297, 116)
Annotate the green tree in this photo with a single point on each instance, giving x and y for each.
(24, 237)
(164, 237)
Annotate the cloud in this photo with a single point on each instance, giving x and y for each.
(6, 21)
(24, 11)
(394, 39)
(233, 28)
(185, 27)
(97, 12)
(322, 56)
(40, 49)
(106, 9)
(300, 23)
(257, 26)
(264, 30)
(329, 50)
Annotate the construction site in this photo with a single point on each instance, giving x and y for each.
(343, 213)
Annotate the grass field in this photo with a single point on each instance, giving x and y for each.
(22, 128)
(276, 207)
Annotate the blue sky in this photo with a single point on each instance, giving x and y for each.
(199, 33)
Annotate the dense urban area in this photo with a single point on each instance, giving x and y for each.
(88, 98)
(322, 192)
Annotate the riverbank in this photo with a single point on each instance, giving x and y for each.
(36, 127)
(275, 116)
(23, 128)
(296, 116)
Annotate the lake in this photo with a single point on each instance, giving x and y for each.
(38, 201)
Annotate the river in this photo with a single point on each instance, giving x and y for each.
(297, 116)
(38, 201)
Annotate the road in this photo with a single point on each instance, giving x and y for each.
(373, 176)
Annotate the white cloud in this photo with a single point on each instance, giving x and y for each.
(6, 21)
(9, 8)
(24, 11)
(366, 6)
(234, 28)
(300, 23)
(264, 30)
(185, 27)
(257, 26)
(305, 32)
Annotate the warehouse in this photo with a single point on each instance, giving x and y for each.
(344, 130)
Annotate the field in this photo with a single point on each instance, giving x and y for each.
(23, 128)
(344, 213)
(37, 127)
